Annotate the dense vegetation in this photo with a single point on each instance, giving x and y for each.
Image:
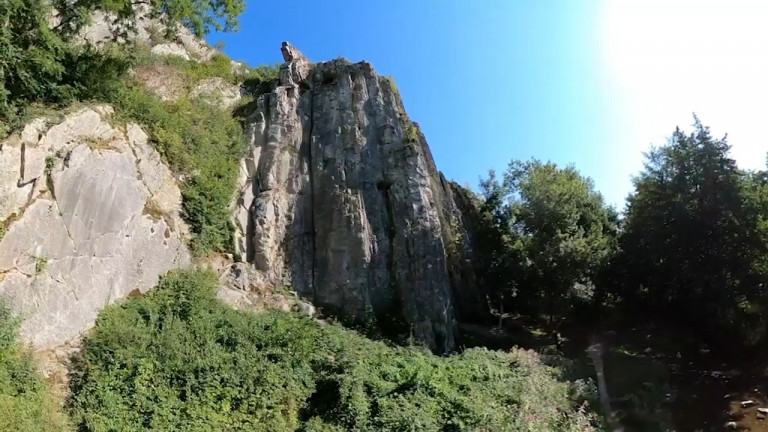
(39, 65)
(25, 403)
(689, 248)
(695, 239)
(178, 359)
(548, 234)
(692, 245)
(201, 142)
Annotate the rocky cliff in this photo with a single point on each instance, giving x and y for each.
(89, 214)
(340, 200)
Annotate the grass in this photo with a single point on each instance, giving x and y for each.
(411, 133)
(96, 143)
(219, 66)
(178, 359)
(152, 209)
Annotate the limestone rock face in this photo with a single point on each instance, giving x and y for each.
(90, 215)
(341, 201)
(145, 29)
(216, 91)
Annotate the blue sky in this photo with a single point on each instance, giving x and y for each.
(592, 83)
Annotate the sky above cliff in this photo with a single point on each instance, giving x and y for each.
(592, 83)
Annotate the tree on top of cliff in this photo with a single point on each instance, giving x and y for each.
(200, 17)
(38, 64)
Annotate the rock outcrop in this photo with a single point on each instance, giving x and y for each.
(143, 29)
(88, 215)
(341, 201)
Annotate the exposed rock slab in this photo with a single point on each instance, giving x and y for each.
(218, 92)
(100, 220)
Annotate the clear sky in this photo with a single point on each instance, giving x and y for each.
(593, 83)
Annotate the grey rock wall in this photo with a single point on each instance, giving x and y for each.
(340, 200)
(90, 215)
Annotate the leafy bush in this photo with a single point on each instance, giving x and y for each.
(38, 65)
(201, 142)
(25, 404)
(177, 359)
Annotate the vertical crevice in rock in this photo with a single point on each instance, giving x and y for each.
(250, 228)
(23, 163)
(391, 320)
(49, 185)
(310, 167)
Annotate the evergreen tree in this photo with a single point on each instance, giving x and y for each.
(694, 236)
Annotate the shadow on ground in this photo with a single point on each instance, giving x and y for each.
(658, 379)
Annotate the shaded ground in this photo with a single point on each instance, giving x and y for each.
(658, 380)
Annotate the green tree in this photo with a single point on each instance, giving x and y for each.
(199, 16)
(501, 253)
(694, 239)
(32, 56)
(553, 234)
(37, 64)
(568, 231)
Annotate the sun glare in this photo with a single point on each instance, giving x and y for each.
(667, 59)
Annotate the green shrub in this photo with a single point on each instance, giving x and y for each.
(202, 143)
(218, 66)
(25, 403)
(177, 359)
(41, 263)
(411, 135)
(37, 64)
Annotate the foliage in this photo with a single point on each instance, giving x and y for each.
(177, 359)
(218, 66)
(201, 142)
(547, 234)
(200, 17)
(39, 65)
(411, 133)
(695, 236)
(25, 404)
(41, 264)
